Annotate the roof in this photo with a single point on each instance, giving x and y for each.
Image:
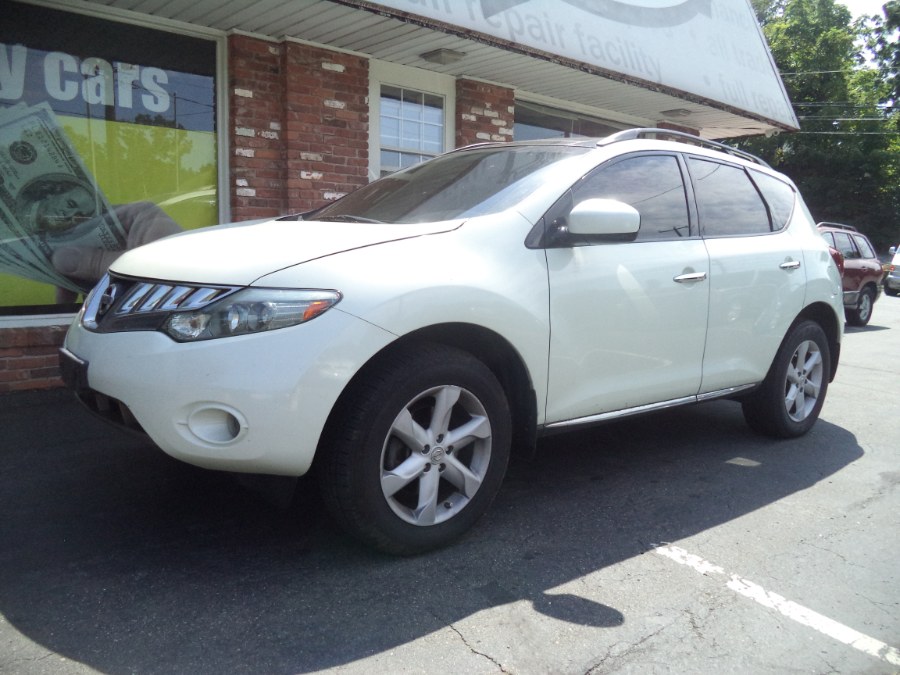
(619, 94)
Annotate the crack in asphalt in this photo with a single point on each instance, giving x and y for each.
(478, 653)
(627, 651)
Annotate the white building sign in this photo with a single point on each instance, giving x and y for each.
(713, 49)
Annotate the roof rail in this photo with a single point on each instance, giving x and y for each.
(681, 137)
(837, 226)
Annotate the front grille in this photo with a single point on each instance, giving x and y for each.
(123, 304)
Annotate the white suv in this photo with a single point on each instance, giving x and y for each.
(407, 336)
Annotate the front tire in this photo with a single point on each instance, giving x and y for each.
(416, 451)
(790, 399)
(860, 315)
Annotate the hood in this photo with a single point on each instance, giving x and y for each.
(240, 253)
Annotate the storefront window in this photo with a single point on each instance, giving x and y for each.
(534, 121)
(107, 141)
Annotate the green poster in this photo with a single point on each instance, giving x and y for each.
(105, 144)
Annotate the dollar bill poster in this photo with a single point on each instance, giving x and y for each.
(107, 140)
(48, 199)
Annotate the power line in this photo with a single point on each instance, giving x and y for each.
(827, 118)
(818, 72)
(848, 133)
(848, 104)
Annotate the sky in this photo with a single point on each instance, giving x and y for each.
(863, 7)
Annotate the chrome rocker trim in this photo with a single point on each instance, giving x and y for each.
(662, 405)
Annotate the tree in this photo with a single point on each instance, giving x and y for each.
(881, 37)
(842, 82)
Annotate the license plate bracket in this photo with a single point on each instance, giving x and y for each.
(74, 370)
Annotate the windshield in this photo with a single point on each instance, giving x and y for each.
(456, 185)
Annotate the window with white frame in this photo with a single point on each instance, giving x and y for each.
(411, 117)
(412, 127)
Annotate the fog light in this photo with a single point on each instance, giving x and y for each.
(217, 424)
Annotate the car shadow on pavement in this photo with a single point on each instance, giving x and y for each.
(869, 328)
(118, 557)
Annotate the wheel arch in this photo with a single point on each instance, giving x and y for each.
(492, 349)
(824, 315)
(873, 286)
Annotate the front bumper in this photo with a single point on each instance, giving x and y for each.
(892, 281)
(74, 375)
(256, 403)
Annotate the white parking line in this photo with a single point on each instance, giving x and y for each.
(791, 610)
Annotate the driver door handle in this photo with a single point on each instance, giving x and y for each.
(691, 277)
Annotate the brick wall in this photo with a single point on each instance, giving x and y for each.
(326, 124)
(256, 106)
(28, 357)
(300, 125)
(484, 112)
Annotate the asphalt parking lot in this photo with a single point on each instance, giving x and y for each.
(679, 542)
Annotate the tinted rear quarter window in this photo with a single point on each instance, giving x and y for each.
(864, 247)
(728, 201)
(778, 195)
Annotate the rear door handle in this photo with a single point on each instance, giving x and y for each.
(790, 265)
(691, 277)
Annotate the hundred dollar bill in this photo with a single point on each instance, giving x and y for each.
(48, 199)
(17, 259)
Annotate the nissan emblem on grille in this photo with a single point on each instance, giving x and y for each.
(107, 300)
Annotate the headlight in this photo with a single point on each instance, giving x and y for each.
(252, 310)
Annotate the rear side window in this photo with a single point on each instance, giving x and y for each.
(727, 199)
(652, 184)
(843, 242)
(778, 195)
(865, 248)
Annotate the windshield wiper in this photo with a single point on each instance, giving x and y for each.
(349, 218)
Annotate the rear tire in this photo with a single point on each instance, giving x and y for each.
(415, 453)
(860, 315)
(789, 400)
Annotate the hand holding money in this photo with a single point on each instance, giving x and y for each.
(142, 222)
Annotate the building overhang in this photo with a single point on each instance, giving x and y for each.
(701, 64)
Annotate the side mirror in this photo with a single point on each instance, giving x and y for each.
(604, 217)
(892, 250)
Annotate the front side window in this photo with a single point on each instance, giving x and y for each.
(412, 127)
(652, 184)
(728, 201)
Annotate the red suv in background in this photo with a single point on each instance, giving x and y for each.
(861, 274)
